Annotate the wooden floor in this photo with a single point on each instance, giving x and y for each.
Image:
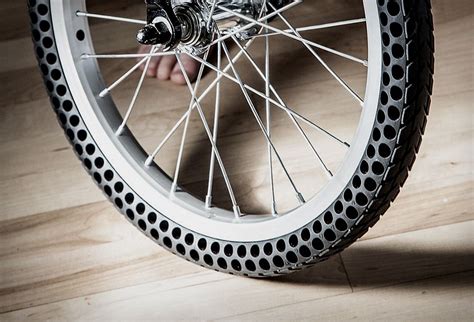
(65, 253)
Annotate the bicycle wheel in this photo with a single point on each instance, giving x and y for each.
(307, 146)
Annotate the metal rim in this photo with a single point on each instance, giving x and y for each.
(77, 73)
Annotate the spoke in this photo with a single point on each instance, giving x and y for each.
(260, 123)
(135, 96)
(316, 27)
(180, 156)
(325, 65)
(255, 22)
(186, 125)
(277, 104)
(209, 134)
(295, 122)
(106, 17)
(333, 24)
(268, 116)
(150, 158)
(215, 130)
(289, 35)
(118, 56)
(107, 90)
(201, 97)
(211, 13)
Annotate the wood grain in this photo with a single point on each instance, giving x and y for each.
(443, 298)
(66, 254)
(412, 281)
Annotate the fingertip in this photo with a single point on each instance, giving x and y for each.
(178, 78)
(165, 68)
(150, 73)
(161, 75)
(153, 66)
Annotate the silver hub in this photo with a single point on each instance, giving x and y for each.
(191, 24)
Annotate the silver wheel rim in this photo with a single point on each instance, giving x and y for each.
(147, 182)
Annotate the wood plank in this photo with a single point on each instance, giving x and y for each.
(66, 254)
(304, 295)
(85, 250)
(43, 187)
(445, 298)
(205, 295)
(36, 157)
(78, 251)
(410, 256)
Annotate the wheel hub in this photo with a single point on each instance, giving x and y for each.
(171, 23)
(163, 27)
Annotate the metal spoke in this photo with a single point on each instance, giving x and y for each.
(200, 99)
(180, 155)
(107, 90)
(211, 13)
(316, 27)
(215, 130)
(186, 125)
(121, 56)
(152, 156)
(289, 35)
(268, 119)
(279, 105)
(325, 65)
(260, 123)
(259, 20)
(135, 96)
(235, 207)
(295, 122)
(107, 17)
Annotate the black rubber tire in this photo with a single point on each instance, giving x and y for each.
(408, 52)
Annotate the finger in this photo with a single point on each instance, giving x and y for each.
(153, 66)
(165, 67)
(191, 67)
(177, 76)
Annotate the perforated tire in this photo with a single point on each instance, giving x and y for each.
(408, 66)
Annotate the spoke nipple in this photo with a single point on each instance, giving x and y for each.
(274, 211)
(366, 63)
(237, 212)
(149, 161)
(208, 202)
(300, 198)
(120, 130)
(347, 144)
(103, 93)
(85, 56)
(174, 186)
